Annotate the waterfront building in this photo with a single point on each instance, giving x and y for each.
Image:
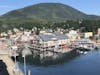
(98, 32)
(3, 34)
(88, 34)
(85, 43)
(50, 41)
(73, 35)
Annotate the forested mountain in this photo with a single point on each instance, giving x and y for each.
(47, 12)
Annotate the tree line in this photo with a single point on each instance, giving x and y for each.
(83, 25)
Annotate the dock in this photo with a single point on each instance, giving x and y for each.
(5, 57)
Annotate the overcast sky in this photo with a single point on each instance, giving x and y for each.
(86, 6)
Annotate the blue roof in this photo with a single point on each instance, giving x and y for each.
(46, 37)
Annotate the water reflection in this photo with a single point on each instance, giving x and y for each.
(88, 64)
(62, 59)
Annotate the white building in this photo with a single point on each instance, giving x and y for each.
(50, 41)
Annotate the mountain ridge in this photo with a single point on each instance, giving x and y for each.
(47, 12)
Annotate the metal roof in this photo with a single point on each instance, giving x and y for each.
(56, 36)
(46, 37)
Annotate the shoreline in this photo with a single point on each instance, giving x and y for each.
(61, 58)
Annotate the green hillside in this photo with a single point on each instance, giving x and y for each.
(46, 12)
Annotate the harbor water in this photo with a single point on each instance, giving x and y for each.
(82, 64)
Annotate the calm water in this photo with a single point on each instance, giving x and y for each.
(88, 64)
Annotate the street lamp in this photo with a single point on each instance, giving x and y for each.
(24, 64)
(16, 68)
(14, 48)
(25, 52)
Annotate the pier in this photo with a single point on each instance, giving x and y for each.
(5, 57)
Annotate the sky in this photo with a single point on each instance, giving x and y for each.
(91, 7)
